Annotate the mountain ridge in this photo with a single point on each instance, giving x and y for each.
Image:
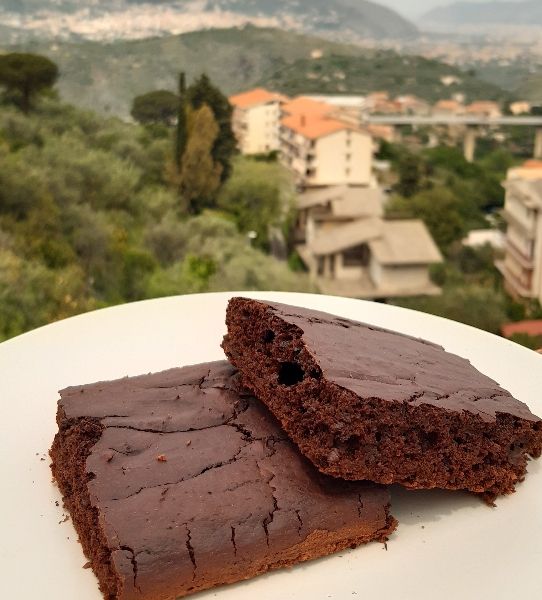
(131, 19)
(240, 58)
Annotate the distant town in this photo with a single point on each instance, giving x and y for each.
(347, 244)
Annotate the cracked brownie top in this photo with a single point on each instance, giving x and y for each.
(192, 479)
(377, 363)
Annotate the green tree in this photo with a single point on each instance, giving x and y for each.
(181, 132)
(410, 175)
(159, 106)
(439, 209)
(26, 75)
(474, 305)
(534, 342)
(201, 92)
(199, 178)
(258, 195)
(215, 257)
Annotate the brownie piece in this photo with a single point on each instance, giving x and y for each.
(177, 482)
(362, 402)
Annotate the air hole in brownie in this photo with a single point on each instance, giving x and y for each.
(431, 437)
(268, 336)
(378, 436)
(290, 373)
(315, 374)
(352, 445)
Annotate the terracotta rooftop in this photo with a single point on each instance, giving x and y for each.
(533, 328)
(256, 97)
(532, 164)
(448, 105)
(306, 106)
(483, 105)
(315, 126)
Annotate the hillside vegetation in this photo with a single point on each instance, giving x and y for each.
(531, 89)
(106, 77)
(87, 219)
(381, 70)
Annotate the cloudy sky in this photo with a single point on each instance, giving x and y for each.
(415, 8)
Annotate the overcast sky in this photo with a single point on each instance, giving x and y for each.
(416, 8)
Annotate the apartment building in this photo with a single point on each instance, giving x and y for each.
(256, 120)
(522, 263)
(351, 250)
(322, 149)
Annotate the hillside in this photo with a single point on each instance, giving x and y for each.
(131, 19)
(89, 219)
(531, 89)
(382, 70)
(236, 59)
(528, 12)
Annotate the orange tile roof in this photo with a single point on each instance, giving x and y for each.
(306, 106)
(385, 132)
(448, 104)
(532, 164)
(256, 97)
(483, 106)
(533, 328)
(315, 126)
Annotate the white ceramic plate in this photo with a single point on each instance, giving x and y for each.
(448, 545)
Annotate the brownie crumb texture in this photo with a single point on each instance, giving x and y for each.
(365, 403)
(230, 499)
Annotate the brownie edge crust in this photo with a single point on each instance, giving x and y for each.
(178, 482)
(366, 403)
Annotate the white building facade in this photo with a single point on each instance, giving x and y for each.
(522, 264)
(256, 121)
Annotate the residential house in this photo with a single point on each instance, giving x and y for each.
(321, 149)
(448, 108)
(412, 105)
(522, 264)
(387, 133)
(520, 108)
(256, 120)
(351, 250)
(484, 108)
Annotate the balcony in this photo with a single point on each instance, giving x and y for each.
(525, 261)
(527, 227)
(518, 286)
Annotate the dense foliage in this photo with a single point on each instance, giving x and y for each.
(25, 75)
(160, 106)
(449, 194)
(88, 219)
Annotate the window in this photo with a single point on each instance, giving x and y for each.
(348, 157)
(358, 256)
(347, 171)
(320, 265)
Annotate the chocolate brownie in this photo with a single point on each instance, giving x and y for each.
(177, 482)
(362, 402)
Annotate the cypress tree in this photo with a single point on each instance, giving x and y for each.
(181, 137)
